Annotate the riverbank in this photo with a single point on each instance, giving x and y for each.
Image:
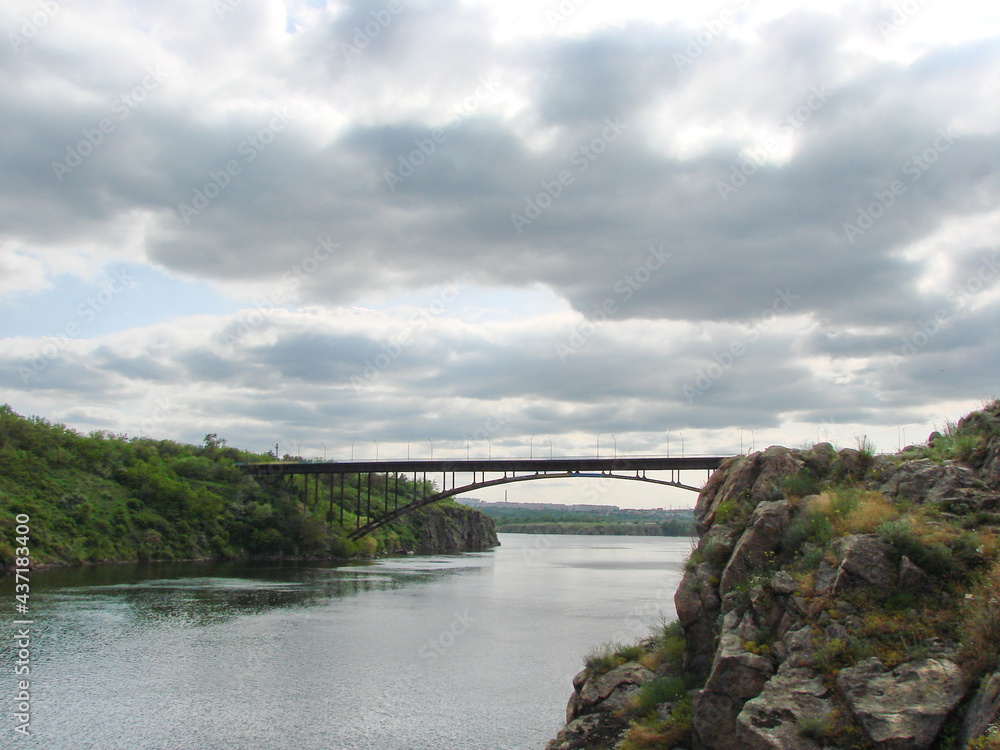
(104, 498)
(835, 599)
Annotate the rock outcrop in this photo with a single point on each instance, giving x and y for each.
(831, 603)
(450, 528)
(902, 709)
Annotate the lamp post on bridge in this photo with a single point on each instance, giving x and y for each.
(432, 448)
(550, 447)
(490, 455)
(376, 449)
(531, 447)
(352, 448)
(616, 444)
(408, 447)
(599, 444)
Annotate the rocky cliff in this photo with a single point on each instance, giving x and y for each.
(836, 599)
(452, 528)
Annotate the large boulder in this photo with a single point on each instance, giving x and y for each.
(749, 479)
(773, 720)
(737, 676)
(926, 481)
(697, 599)
(590, 731)
(902, 709)
(759, 542)
(865, 559)
(611, 691)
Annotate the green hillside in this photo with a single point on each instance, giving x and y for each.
(103, 497)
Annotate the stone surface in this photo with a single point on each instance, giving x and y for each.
(903, 709)
(912, 576)
(783, 584)
(453, 529)
(761, 538)
(865, 559)
(737, 675)
(771, 720)
(926, 481)
(591, 731)
(610, 691)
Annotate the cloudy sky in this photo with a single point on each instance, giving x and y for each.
(483, 228)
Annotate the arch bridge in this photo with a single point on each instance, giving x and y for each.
(484, 473)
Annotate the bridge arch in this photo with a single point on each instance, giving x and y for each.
(423, 502)
(514, 470)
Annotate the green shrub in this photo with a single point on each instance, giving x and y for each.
(660, 690)
(604, 658)
(981, 623)
(653, 732)
(801, 485)
(727, 511)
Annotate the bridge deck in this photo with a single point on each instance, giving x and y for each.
(539, 465)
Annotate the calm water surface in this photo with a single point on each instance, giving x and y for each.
(458, 652)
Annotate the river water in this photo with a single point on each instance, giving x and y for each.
(456, 652)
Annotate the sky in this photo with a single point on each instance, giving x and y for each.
(395, 228)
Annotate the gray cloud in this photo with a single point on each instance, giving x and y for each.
(794, 189)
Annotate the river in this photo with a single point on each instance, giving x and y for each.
(450, 652)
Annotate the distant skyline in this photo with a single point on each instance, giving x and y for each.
(484, 228)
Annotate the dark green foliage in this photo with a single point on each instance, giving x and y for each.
(801, 485)
(810, 525)
(955, 559)
(660, 690)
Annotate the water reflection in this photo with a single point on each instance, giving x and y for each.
(201, 593)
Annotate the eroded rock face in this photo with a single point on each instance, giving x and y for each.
(926, 481)
(737, 676)
(759, 541)
(903, 709)
(751, 479)
(595, 715)
(865, 559)
(449, 529)
(610, 691)
(772, 720)
(591, 731)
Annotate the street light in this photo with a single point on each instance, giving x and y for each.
(376, 449)
(408, 447)
(668, 443)
(599, 444)
(491, 447)
(324, 450)
(352, 448)
(432, 448)
(550, 447)
(616, 444)
(531, 447)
